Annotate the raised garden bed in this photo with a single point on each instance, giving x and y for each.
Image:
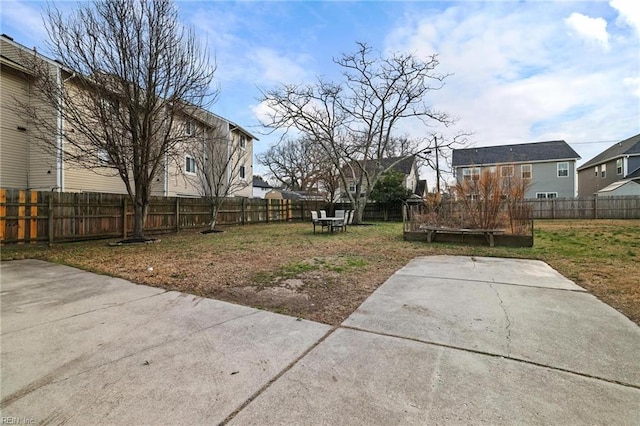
(469, 236)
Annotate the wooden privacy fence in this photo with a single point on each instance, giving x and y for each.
(33, 216)
(619, 207)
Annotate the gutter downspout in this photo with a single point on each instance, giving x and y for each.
(60, 130)
(228, 159)
(59, 124)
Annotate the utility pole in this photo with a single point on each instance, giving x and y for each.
(435, 138)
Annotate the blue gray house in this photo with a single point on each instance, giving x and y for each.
(550, 166)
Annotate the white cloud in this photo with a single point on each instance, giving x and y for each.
(278, 67)
(634, 84)
(628, 12)
(593, 30)
(22, 21)
(519, 77)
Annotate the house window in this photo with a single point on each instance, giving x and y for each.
(603, 171)
(506, 171)
(492, 169)
(526, 171)
(190, 128)
(352, 187)
(546, 195)
(597, 170)
(469, 173)
(242, 172)
(563, 169)
(103, 158)
(243, 141)
(190, 165)
(109, 106)
(619, 166)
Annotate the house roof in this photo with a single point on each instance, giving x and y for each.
(615, 185)
(629, 146)
(634, 174)
(517, 153)
(258, 182)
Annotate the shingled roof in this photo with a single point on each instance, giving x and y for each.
(629, 146)
(517, 153)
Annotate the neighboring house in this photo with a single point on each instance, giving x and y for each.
(550, 166)
(406, 165)
(282, 194)
(24, 165)
(260, 187)
(616, 163)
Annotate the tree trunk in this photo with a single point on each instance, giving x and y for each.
(360, 204)
(214, 217)
(139, 216)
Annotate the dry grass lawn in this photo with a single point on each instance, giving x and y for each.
(286, 268)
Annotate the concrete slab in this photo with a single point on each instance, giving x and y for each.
(361, 378)
(563, 329)
(36, 292)
(167, 358)
(524, 272)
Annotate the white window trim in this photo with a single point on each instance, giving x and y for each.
(188, 159)
(558, 169)
(619, 166)
(546, 195)
(530, 169)
(243, 142)
(472, 173)
(603, 171)
(242, 170)
(507, 167)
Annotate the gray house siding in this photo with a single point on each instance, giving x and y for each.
(542, 157)
(545, 179)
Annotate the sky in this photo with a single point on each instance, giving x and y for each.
(520, 71)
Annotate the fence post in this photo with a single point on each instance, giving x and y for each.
(124, 218)
(266, 205)
(553, 208)
(177, 214)
(595, 207)
(51, 218)
(243, 212)
(3, 213)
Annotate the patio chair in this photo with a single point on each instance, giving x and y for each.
(316, 221)
(350, 217)
(340, 213)
(323, 214)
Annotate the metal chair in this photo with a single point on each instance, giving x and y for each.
(316, 221)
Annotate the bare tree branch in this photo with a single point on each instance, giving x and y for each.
(132, 74)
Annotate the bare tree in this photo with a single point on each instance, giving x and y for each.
(302, 165)
(438, 153)
(132, 74)
(295, 163)
(220, 161)
(355, 121)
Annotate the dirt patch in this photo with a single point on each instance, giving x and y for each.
(324, 277)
